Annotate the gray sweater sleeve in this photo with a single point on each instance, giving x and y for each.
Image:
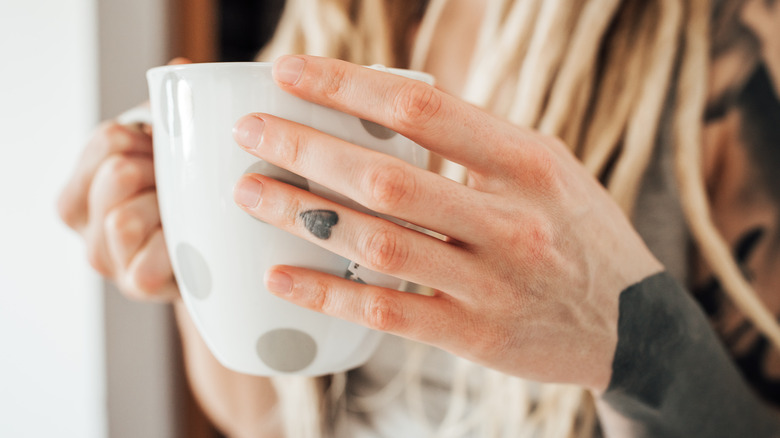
(671, 375)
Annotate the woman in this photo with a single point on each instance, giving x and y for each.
(542, 277)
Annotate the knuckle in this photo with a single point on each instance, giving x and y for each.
(125, 227)
(114, 137)
(543, 169)
(382, 313)
(68, 211)
(319, 297)
(148, 284)
(125, 172)
(487, 339)
(335, 84)
(291, 215)
(479, 341)
(538, 240)
(96, 258)
(288, 149)
(384, 253)
(390, 186)
(501, 344)
(417, 104)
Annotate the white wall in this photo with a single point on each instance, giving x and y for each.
(143, 389)
(51, 364)
(76, 359)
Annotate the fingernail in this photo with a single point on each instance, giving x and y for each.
(248, 191)
(288, 69)
(248, 131)
(278, 282)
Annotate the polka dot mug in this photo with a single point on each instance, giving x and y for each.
(219, 252)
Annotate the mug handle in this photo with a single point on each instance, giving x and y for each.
(142, 114)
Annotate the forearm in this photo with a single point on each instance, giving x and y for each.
(671, 376)
(239, 405)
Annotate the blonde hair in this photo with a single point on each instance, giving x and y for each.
(600, 75)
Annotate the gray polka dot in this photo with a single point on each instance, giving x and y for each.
(377, 130)
(279, 174)
(286, 350)
(194, 271)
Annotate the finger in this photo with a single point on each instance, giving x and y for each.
(377, 181)
(129, 225)
(118, 178)
(418, 317)
(375, 243)
(435, 120)
(109, 138)
(150, 276)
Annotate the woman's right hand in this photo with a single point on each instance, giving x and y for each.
(111, 201)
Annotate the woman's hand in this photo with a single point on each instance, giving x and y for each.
(536, 254)
(111, 201)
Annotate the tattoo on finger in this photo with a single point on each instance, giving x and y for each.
(320, 222)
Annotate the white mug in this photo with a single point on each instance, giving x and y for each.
(219, 252)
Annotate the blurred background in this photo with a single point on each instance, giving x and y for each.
(76, 358)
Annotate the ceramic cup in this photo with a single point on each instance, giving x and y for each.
(219, 252)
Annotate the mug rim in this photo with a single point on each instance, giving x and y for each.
(263, 65)
(209, 65)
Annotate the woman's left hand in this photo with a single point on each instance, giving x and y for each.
(536, 254)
